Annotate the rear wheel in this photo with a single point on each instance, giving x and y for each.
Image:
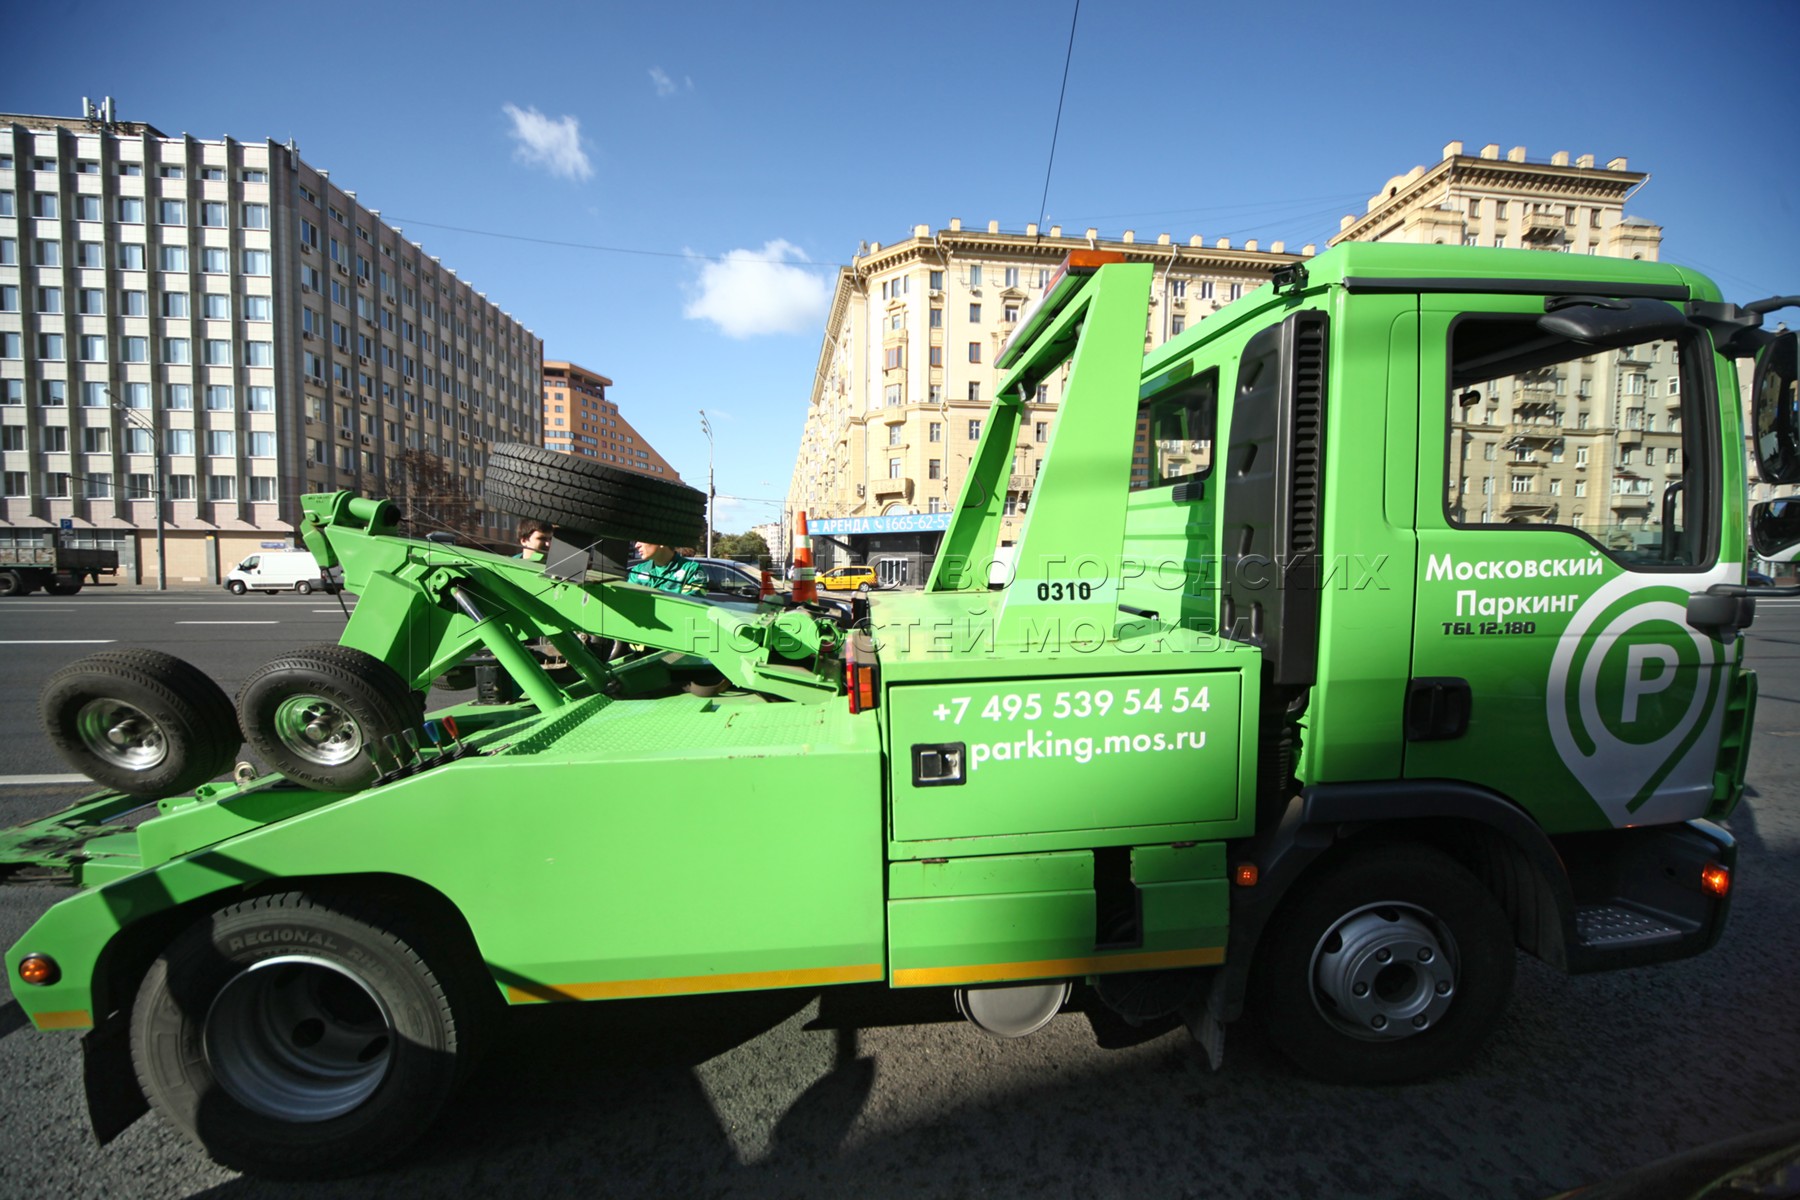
(140, 721)
(303, 587)
(587, 498)
(1393, 964)
(13, 584)
(295, 1036)
(63, 587)
(319, 715)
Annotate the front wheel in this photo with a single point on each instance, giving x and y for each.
(1393, 964)
(236, 587)
(303, 587)
(296, 1037)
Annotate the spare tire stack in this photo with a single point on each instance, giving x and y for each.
(588, 501)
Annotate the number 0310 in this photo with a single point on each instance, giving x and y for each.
(1065, 591)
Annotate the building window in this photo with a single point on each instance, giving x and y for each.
(221, 443)
(217, 352)
(1177, 325)
(52, 393)
(171, 258)
(262, 487)
(975, 430)
(221, 487)
(218, 397)
(974, 314)
(256, 262)
(91, 255)
(1041, 431)
(177, 350)
(50, 345)
(937, 356)
(256, 308)
(937, 431)
(49, 299)
(259, 354)
(96, 440)
(131, 257)
(934, 468)
(175, 304)
(48, 254)
(12, 391)
(43, 204)
(93, 347)
(894, 434)
(213, 214)
(216, 306)
(894, 468)
(87, 208)
(256, 216)
(974, 353)
(171, 212)
(974, 391)
(178, 396)
(974, 275)
(261, 399)
(9, 297)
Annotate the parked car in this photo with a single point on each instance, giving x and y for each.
(845, 579)
(730, 580)
(1758, 579)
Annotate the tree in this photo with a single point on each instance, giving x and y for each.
(432, 496)
(742, 547)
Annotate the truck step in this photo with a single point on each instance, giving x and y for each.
(1614, 925)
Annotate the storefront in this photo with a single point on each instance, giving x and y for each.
(900, 547)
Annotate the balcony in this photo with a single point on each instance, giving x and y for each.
(1534, 431)
(889, 489)
(1542, 229)
(1020, 483)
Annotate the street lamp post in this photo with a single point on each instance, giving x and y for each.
(706, 427)
(156, 493)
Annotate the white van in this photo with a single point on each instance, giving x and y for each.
(278, 571)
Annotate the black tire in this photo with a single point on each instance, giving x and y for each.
(301, 1037)
(863, 589)
(587, 498)
(63, 587)
(1423, 1010)
(236, 587)
(13, 584)
(140, 721)
(312, 715)
(303, 587)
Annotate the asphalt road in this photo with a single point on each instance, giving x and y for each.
(861, 1093)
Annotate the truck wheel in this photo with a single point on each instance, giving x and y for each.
(303, 587)
(236, 587)
(140, 721)
(1392, 965)
(313, 714)
(13, 584)
(588, 498)
(63, 587)
(296, 1037)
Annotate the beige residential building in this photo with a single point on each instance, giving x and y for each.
(219, 324)
(905, 372)
(581, 419)
(1592, 443)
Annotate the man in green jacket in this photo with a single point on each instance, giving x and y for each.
(667, 570)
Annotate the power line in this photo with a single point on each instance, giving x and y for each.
(1068, 57)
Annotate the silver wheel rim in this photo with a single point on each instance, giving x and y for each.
(319, 730)
(299, 1039)
(121, 734)
(1384, 972)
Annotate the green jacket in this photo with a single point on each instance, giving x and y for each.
(681, 574)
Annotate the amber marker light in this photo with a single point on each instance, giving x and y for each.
(1716, 879)
(39, 969)
(1244, 874)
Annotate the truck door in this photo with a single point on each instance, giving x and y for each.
(1569, 505)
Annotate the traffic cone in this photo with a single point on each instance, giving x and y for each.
(806, 591)
(768, 587)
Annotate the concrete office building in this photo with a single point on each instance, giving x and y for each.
(580, 419)
(219, 322)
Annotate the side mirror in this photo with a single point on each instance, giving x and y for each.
(1775, 528)
(1775, 411)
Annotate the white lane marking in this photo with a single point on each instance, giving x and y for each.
(228, 622)
(40, 780)
(64, 642)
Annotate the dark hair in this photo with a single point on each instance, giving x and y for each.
(531, 525)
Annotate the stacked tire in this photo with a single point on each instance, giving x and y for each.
(588, 501)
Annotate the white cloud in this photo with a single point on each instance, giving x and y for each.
(666, 86)
(753, 292)
(552, 145)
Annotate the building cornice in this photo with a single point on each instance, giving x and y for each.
(1473, 172)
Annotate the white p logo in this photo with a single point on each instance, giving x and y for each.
(1637, 684)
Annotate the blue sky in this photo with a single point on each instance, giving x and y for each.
(732, 155)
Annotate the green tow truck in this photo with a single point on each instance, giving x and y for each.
(1286, 717)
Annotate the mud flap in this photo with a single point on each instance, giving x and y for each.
(114, 1102)
(1206, 1031)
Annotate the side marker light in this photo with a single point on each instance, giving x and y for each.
(39, 969)
(1715, 879)
(1244, 874)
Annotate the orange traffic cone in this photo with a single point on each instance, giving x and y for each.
(805, 590)
(768, 587)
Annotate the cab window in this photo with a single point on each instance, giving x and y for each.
(1175, 433)
(1549, 432)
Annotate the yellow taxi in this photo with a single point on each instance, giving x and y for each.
(844, 579)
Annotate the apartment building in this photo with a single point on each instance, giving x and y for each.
(905, 370)
(579, 418)
(218, 327)
(906, 374)
(1591, 444)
